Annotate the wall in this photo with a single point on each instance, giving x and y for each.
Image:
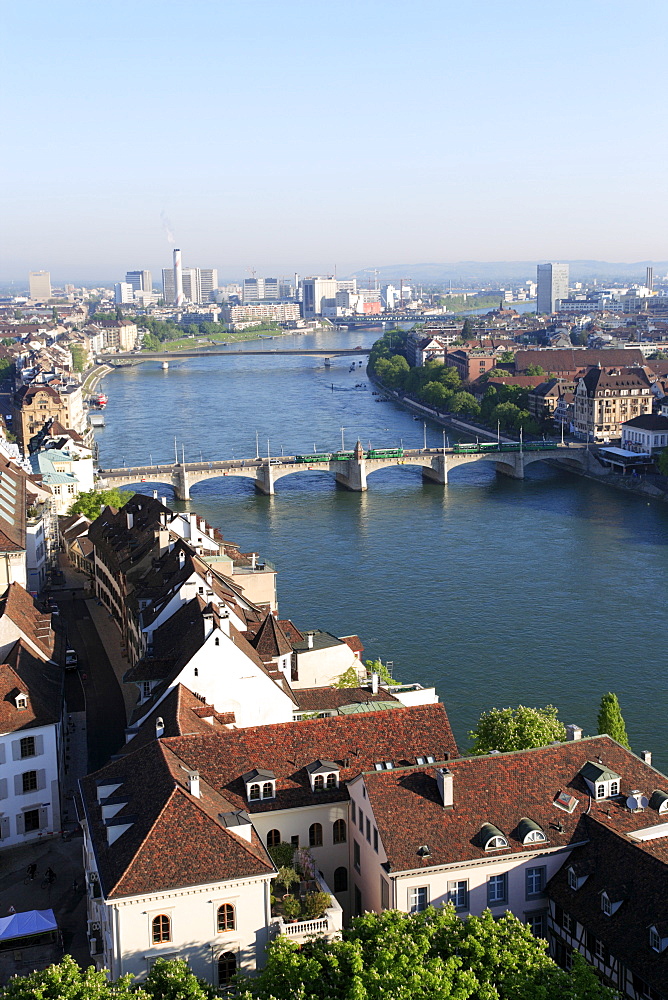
(46, 798)
(321, 667)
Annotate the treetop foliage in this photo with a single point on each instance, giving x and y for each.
(521, 728)
(610, 719)
(92, 503)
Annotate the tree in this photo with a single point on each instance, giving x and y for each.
(78, 358)
(433, 955)
(66, 981)
(535, 370)
(663, 462)
(464, 403)
(173, 980)
(378, 667)
(150, 342)
(507, 357)
(468, 330)
(610, 719)
(348, 679)
(520, 728)
(92, 503)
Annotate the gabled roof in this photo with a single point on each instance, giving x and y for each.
(42, 682)
(323, 699)
(182, 714)
(174, 839)
(625, 872)
(20, 608)
(353, 742)
(503, 789)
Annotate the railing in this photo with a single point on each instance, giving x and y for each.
(319, 926)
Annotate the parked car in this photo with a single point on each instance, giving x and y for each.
(71, 659)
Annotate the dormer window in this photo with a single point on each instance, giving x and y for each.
(21, 701)
(530, 832)
(609, 905)
(572, 879)
(658, 937)
(492, 838)
(260, 785)
(324, 775)
(601, 781)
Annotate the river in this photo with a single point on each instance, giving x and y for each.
(496, 591)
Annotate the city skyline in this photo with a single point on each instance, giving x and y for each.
(449, 135)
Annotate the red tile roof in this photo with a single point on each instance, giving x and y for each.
(42, 682)
(354, 741)
(270, 641)
(23, 611)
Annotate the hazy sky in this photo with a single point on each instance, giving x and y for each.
(303, 135)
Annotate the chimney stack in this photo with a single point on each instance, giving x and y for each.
(573, 732)
(193, 783)
(159, 727)
(374, 682)
(309, 640)
(646, 757)
(178, 279)
(130, 520)
(444, 779)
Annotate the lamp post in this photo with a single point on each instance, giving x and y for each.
(343, 447)
(424, 425)
(257, 444)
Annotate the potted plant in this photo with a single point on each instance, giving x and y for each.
(291, 908)
(287, 877)
(315, 904)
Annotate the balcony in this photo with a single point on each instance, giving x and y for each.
(329, 925)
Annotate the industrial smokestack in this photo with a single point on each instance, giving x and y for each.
(178, 279)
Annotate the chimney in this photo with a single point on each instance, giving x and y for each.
(155, 494)
(207, 618)
(182, 559)
(573, 732)
(224, 619)
(374, 682)
(178, 279)
(444, 779)
(193, 783)
(646, 757)
(253, 559)
(163, 501)
(309, 640)
(159, 727)
(129, 517)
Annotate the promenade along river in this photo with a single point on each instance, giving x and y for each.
(497, 591)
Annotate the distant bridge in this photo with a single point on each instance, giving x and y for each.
(138, 357)
(351, 472)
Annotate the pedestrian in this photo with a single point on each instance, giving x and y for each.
(11, 909)
(50, 875)
(31, 870)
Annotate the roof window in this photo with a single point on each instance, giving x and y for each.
(383, 765)
(602, 782)
(609, 905)
(260, 784)
(658, 937)
(659, 801)
(323, 775)
(21, 701)
(530, 832)
(564, 800)
(492, 838)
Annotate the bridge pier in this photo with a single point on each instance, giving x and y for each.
(515, 469)
(354, 478)
(181, 483)
(437, 472)
(264, 481)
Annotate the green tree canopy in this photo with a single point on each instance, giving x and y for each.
(464, 403)
(66, 981)
(92, 503)
(432, 955)
(520, 728)
(535, 370)
(173, 980)
(78, 357)
(610, 719)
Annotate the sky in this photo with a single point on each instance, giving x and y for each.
(309, 136)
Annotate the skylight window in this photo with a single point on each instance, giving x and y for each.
(566, 801)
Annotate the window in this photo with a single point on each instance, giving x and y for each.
(331, 781)
(352, 812)
(535, 881)
(31, 820)
(497, 889)
(273, 838)
(536, 923)
(340, 879)
(216, 641)
(227, 967)
(29, 779)
(162, 928)
(567, 922)
(360, 817)
(375, 840)
(368, 829)
(227, 918)
(606, 905)
(356, 855)
(458, 894)
(599, 950)
(384, 894)
(418, 899)
(339, 831)
(28, 747)
(315, 835)
(294, 840)
(600, 791)
(654, 939)
(268, 790)
(614, 788)
(145, 689)
(254, 793)
(319, 783)
(572, 879)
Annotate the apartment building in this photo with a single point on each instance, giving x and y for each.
(605, 398)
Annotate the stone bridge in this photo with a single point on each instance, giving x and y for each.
(352, 473)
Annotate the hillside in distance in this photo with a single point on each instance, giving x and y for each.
(465, 273)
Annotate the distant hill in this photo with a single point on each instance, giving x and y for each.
(477, 272)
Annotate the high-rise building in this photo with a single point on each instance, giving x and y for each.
(649, 281)
(141, 281)
(168, 285)
(552, 286)
(39, 283)
(192, 289)
(318, 293)
(123, 293)
(208, 282)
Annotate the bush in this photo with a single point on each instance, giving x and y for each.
(282, 855)
(314, 904)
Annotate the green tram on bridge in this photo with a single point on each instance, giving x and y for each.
(346, 456)
(465, 448)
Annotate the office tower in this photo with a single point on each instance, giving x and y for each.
(271, 288)
(552, 286)
(168, 285)
(192, 290)
(123, 293)
(141, 281)
(318, 293)
(178, 279)
(208, 283)
(39, 283)
(649, 281)
(253, 289)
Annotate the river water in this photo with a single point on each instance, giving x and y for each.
(496, 591)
